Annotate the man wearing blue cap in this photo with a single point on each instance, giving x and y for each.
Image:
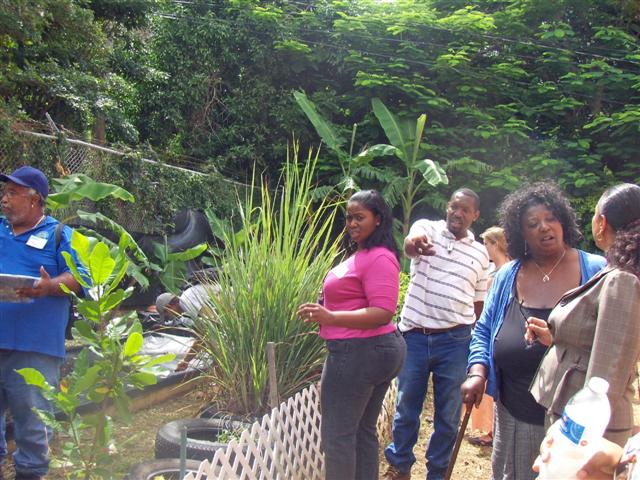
(33, 329)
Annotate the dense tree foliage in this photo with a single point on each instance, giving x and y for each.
(78, 61)
(513, 90)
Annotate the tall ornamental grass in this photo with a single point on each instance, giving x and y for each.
(275, 261)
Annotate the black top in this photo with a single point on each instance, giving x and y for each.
(517, 363)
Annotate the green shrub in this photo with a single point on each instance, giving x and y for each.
(276, 261)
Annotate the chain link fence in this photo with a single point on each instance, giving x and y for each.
(58, 155)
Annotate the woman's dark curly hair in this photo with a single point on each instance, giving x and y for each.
(621, 207)
(515, 205)
(382, 236)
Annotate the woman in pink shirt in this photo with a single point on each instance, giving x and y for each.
(365, 351)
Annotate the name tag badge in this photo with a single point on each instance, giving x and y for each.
(37, 242)
(341, 270)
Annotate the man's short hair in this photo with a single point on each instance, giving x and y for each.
(467, 192)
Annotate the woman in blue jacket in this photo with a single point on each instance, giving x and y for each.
(541, 232)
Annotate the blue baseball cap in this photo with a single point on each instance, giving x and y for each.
(29, 177)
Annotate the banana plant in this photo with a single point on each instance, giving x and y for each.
(408, 186)
(79, 186)
(351, 166)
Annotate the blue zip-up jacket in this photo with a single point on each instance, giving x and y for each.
(495, 308)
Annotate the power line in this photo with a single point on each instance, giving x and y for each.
(468, 71)
(606, 55)
(501, 38)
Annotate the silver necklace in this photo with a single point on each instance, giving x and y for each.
(546, 276)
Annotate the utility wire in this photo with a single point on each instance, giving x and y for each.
(528, 43)
(468, 69)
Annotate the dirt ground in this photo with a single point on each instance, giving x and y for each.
(135, 442)
(473, 462)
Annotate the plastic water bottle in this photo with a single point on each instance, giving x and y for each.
(578, 434)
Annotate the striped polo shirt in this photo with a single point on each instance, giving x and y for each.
(444, 286)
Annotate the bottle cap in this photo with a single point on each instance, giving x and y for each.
(598, 385)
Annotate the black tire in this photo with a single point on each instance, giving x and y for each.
(169, 468)
(202, 434)
(180, 220)
(195, 230)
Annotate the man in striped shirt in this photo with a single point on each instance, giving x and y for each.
(449, 273)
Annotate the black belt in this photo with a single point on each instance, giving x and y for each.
(430, 331)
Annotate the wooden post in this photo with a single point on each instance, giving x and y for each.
(273, 380)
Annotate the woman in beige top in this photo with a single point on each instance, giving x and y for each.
(594, 330)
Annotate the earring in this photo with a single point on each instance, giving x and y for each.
(526, 252)
(378, 224)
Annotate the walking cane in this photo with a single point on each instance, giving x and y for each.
(459, 437)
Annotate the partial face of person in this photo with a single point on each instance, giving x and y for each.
(18, 203)
(596, 227)
(462, 211)
(360, 222)
(173, 309)
(542, 231)
(492, 249)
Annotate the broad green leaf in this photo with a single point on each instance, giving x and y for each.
(432, 172)
(100, 219)
(188, 254)
(168, 357)
(90, 309)
(78, 186)
(111, 300)
(324, 129)
(84, 330)
(121, 267)
(379, 150)
(390, 124)
(81, 246)
(71, 263)
(418, 136)
(218, 226)
(133, 344)
(86, 380)
(142, 379)
(34, 377)
(123, 406)
(101, 264)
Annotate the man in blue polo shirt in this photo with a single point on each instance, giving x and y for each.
(32, 331)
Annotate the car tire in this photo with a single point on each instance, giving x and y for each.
(168, 468)
(202, 434)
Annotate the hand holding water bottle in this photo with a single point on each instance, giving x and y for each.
(577, 436)
(599, 467)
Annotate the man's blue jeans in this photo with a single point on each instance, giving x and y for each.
(444, 355)
(31, 435)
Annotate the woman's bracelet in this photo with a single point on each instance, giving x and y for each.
(471, 375)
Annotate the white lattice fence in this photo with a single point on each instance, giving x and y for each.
(284, 445)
